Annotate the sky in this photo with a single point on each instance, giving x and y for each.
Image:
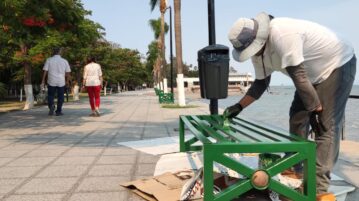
(126, 23)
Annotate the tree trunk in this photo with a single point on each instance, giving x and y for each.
(165, 85)
(163, 7)
(76, 92)
(27, 80)
(178, 39)
(178, 36)
(157, 69)
(163, 52)
(105, 89)
(118, 87)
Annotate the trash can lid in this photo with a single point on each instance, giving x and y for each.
(216, 47)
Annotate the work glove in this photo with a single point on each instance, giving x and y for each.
(232, 111)
(315, 122)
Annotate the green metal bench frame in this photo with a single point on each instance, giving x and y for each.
(165, 97)
(246, 136)
(157, 91)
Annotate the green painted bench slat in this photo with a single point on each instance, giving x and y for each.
(272, 129)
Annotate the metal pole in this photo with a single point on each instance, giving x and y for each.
(171, 55)
(213, 105)
(211, 23)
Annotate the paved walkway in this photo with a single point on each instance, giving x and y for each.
(76, 157)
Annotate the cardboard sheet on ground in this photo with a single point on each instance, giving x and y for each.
(165, 187)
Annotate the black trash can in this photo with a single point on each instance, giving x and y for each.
(213, 64)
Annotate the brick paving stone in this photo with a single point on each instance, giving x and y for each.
(5, 160)
(63, 171)
(12, 153)
(20, 146)
(17, 172)
(33, 161)
(43, 197)
(43, 153)
(124, 159)
(83, 151)
(6, 185)
(145, 169)
(119, 151)
(90, 184)
(99, 196)
(48, 185)
(81, 160)
(147, 158)
(110, 170)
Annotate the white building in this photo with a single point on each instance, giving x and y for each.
(235, 81)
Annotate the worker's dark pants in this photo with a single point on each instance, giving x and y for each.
(333, 94)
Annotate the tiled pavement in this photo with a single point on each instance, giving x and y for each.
(76, 157)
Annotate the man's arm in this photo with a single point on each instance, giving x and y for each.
(101, 81)
(304, 88)
(254, 92)
(43, 78)
(68, 78)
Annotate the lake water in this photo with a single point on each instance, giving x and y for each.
(273, 108)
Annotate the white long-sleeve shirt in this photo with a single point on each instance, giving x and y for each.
(92, 73)
(292, 42)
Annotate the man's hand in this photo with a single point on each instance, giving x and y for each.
(314, 119)
(315, 122)
(232, 111)
(42, 86)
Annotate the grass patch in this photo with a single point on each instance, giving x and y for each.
(176, 106)
(11, 103)
(7, 106)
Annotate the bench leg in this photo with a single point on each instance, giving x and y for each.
(208, 174)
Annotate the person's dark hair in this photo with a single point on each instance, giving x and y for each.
(91, 59)
(56, 50)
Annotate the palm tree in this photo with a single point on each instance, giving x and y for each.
(178, 39)
(156, 28)
(163, 6)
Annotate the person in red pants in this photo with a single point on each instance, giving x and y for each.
(92, 79)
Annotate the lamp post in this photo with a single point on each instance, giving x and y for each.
(171, 55)
(213, 105)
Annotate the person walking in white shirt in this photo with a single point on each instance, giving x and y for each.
(92, 79)
(57, 70)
